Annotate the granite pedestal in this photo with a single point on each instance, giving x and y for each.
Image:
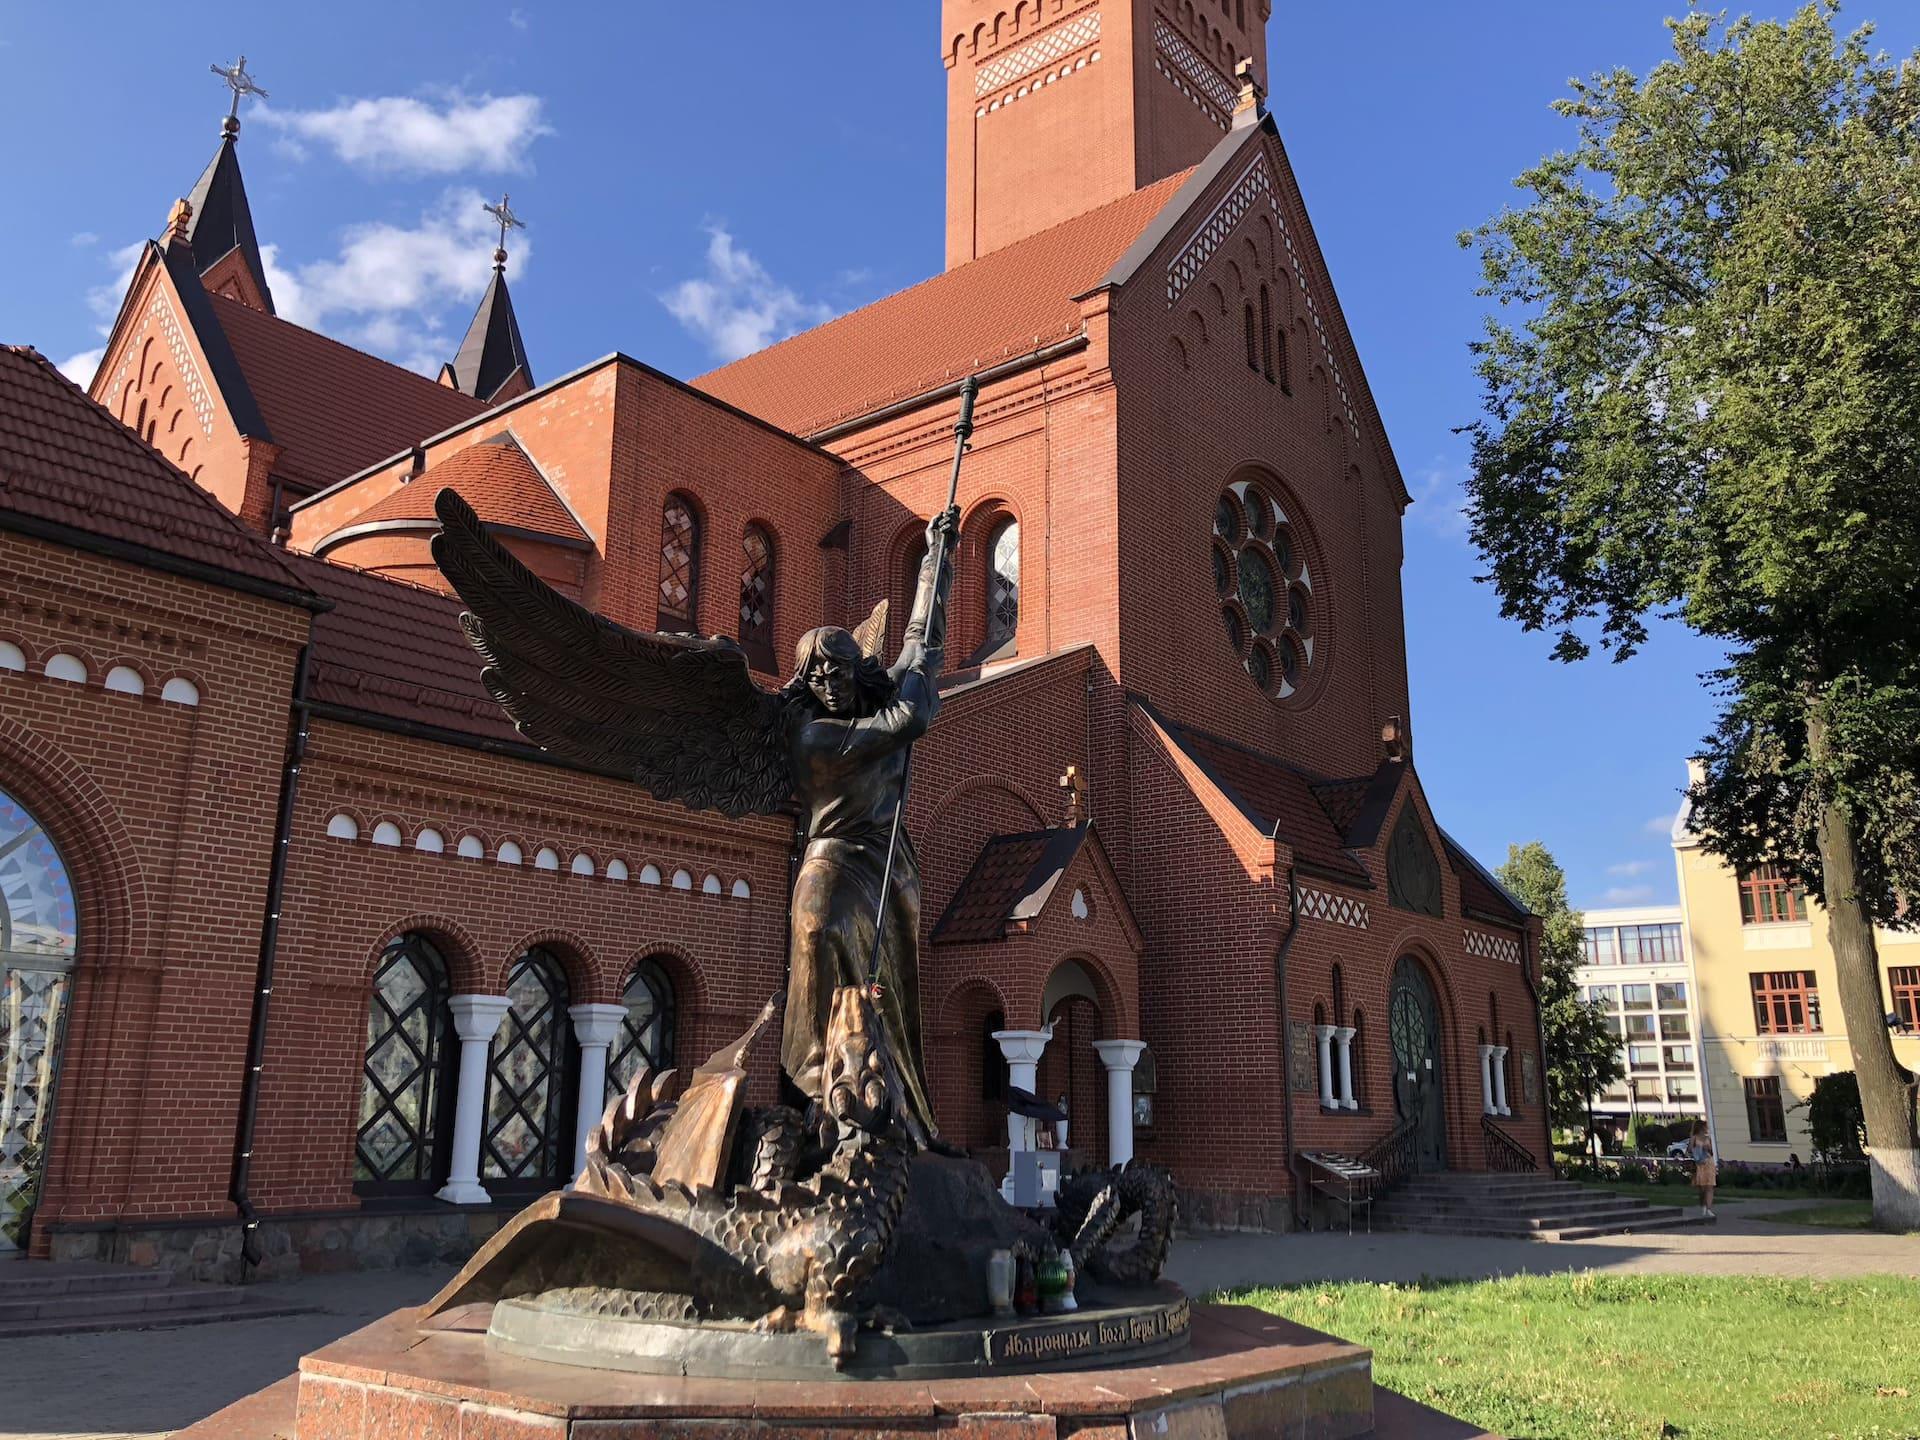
(1243, 1373)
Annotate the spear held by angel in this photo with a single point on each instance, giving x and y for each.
(682, 716)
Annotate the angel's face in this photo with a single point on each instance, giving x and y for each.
(831, 678)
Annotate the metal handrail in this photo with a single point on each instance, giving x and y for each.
(1504, 1153)
(1392, 1155)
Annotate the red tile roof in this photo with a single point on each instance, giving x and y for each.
(1276, 797)
(393, 649)
(1000, 306)
(497, 478)
(1010, 881)
(334, 410)
(66, 465)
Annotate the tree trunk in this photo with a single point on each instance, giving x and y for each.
(1885, 1099)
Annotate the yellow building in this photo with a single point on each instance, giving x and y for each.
(1770, 1020)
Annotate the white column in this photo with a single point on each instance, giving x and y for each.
(1500, 1106)
(1486, 1080)
(1344, 1035)
(1022, 1049)
(475, 1018)
(1325, 1034)
(595, 1027)
(1119, 1056)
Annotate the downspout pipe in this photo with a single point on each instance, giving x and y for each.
(1286, 1037)
(240, 1190)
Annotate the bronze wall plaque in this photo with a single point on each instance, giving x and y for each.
(1302, 1062)
(1530, 1076)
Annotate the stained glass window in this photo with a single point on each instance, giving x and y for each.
(756, 596)
(1264, 590)
(1256, 590)
(405, 1077)
(1003, 584)
(679, 564)
(37, 934)
(527, 1135)
(647, 1032)
(1260, 667)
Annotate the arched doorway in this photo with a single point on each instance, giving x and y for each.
(37, 938)
(532, 1073)
(1413, 1024)
(1070, 1067)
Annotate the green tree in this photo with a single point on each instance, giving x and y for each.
(1835, 1125)
(1583, 1056)
(1703, 402)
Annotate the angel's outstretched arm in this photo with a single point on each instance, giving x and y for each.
(925, 643)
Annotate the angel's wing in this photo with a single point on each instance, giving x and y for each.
(871, 633)
(676, 713)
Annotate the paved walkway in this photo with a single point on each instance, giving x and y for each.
(138, 1385)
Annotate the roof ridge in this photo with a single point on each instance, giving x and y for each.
(1171, 183)
(412, 375)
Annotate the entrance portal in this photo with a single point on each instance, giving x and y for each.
(1413, 1017)
(36, 974)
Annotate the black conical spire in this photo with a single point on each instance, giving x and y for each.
(222, 220)
(492, 352)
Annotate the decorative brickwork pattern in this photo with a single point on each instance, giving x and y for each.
(1491, 947)
(1019, 63)
(1191, 72)
(1338, 909)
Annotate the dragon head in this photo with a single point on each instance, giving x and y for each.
(858, 1080)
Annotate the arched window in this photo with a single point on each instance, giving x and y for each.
(530, 1078)
(679, 565)
(1357, 1054)
(647, 1032)
(1003, 588)
(1285, 375)
(406, 1089)
(911, 559)
(756, 597)
(1253, 342)
(1339, 994)
(1266, 333)
(37, 941)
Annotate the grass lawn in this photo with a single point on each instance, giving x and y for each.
(1835, 1215)
(1639, 1357)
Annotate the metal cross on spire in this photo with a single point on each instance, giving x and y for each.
(240, 82)
(503, 215)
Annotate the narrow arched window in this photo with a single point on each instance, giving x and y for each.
(531, 1070)
(1003, 588)
(756, 597)
(679, 565)
(1285, 371)
(1253, 342)
(1266, 333)
(647, 1033)
(406, 1089)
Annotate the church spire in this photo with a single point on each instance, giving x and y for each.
(221, 227)
(492, 362)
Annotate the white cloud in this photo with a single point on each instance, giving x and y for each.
(517, 18)
(84, 238)
(79, 368)
(1440, 498)
(386, 289)
(737, 307)
(1627, 869)
(1661, 825)
(1628, 895)
(487, 133)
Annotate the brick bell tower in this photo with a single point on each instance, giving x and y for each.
(1057, 106)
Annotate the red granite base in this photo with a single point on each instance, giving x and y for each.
(1245, 1374)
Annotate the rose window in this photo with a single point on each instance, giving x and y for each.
(1266, 593)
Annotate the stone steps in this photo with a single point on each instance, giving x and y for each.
(67, 1300)
(1518, 1206)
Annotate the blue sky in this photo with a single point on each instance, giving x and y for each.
(699, 179)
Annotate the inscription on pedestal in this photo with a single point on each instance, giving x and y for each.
(1079, 1339)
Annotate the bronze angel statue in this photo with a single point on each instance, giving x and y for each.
(682, 716)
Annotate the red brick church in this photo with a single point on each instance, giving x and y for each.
(307, 950)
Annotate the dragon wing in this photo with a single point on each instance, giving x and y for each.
(677, 714)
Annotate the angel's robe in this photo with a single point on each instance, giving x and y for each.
(848, 775)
